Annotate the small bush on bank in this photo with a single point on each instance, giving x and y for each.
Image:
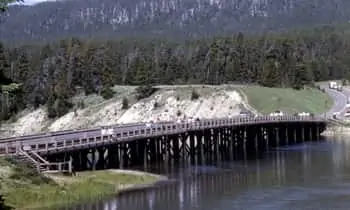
(125, 103)
(144, 91)
(107, 93)
(194, 95)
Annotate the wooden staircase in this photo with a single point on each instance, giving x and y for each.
(35, 161)
(24, 158)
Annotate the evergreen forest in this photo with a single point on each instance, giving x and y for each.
(51, 73)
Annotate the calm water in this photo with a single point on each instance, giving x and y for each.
(309, 176)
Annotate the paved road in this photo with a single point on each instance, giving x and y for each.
(339, 100)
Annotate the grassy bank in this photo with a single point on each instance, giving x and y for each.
(288, 100)
(23, 188)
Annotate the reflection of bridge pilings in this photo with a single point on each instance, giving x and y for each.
(197, 147)
(192, 192)
(197, 188)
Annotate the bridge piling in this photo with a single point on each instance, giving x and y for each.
(216, 141)
(284, 136)
(302, 134)
(230, 144)
(113, 156)
(200, 146)
(317, 133)
(277, 136)
(192, 148)
(250, 140)
(297, 135)
(270, 138)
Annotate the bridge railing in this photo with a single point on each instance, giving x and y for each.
(65, 140)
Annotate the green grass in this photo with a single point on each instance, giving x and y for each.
(267, 100)
(25, 189)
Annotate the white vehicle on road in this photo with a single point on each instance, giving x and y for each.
(332, 85)
(190, 120)
(244, 114)
(335, 115)
(149, 124)
(304, 114)
(340, 88)
(277, 113)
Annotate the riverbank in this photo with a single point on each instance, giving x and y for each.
(266, 100)
(335, 130)
(24, 188)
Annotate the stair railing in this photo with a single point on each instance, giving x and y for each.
(42, 160)
(37, 164)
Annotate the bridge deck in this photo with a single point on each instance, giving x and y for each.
(78, 139)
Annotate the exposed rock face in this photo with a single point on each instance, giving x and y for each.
(167, 104)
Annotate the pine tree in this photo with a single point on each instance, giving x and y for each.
(270, 75)
(51, 113)
(302, 76)
(23, 68)
(141, 75)
(241, 64)
(142, 68)
(4, 67)
(108, 77)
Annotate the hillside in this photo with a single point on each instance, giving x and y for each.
(287, 100)
(168, 103)
(170, 18)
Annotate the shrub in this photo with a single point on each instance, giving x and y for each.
(144, 91)
(107, 93)
(194, 95)
(344, 82)
(25, 173)
(58, 107)
(155, 105)
(50, 107)
(62, 106)
(178, 113)
(81, 104)
(125, 103)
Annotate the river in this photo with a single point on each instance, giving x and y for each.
(314, 175)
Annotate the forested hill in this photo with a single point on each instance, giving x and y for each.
(166, 18)
(50, 74)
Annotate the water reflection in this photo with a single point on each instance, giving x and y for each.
(310, 176)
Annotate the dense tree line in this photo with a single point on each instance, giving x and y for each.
(172, 18)
(50, 74)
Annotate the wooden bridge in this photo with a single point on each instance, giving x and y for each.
(121, 145)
